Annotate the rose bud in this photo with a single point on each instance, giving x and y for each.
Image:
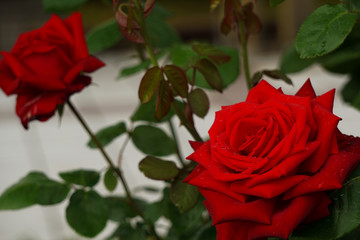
(46, 66)
(270, 161)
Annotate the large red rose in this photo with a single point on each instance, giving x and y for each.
(270, 160)
(44, 67)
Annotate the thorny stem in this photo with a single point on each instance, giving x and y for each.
(111, 165)
(177, 148)
(245, 56)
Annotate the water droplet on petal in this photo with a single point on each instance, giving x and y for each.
(320, 185)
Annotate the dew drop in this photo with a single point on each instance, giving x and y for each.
(320, 185)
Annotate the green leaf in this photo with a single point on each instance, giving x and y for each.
(154, 211)
(61, 5)
(184, 225)
(119, 209)
(183, 56)
(143, 65)
(146, 112)
(162, 35)
(343, 219)
(277, 74)
(208, 233)
(274, 3)
(87, 213)
(129, 71)
(127, 232)
(158, 169)
(346, 58)
(215, 54)
(163, 100)
(255, 79)
(83, 177)
(178, 79)
(292, 63)
(103, 36)
(152, 141)
(183, 195)
(199, 102)
(34, 188)
(351, 90)
(210, 73)
(108, 134)
(150, 83)
(110, 180)
(324, 30)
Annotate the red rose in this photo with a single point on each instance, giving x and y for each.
(44, 67)
(270, 160)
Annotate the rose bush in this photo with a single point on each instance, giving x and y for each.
(270, 160)
(44, 67)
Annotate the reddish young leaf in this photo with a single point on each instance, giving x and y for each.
(256, 77)
(210, 73)
(178, 79)
(149, 5)
(216, 55)
(199, 102)
(277, 74)
(150, 84)
(163, 100)
(252, 22)
(126, 16)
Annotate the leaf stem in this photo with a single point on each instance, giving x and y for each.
(110, 163)
(244, 53)
(177, 145)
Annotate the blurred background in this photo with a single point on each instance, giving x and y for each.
(56, 146)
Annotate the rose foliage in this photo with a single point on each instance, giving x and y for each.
(269, 162)
(43, 68)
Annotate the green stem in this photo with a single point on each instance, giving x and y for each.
(177, 146)
(110, 163)
(245, 55)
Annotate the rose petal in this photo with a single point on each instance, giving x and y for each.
(9, 82)
(306, 90)
(89, 64)
(56, 30)
(331, 175)
(321, 211)
(268, 189)
(75, 26)
(195, 145)
(326, 100)
(218, 171)
(204, 180)
(327, 123)
(235, 230)
(286, 217)
(262, 92)
(223, 209)
(284, 167)
(17, 68)
(37, 106)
